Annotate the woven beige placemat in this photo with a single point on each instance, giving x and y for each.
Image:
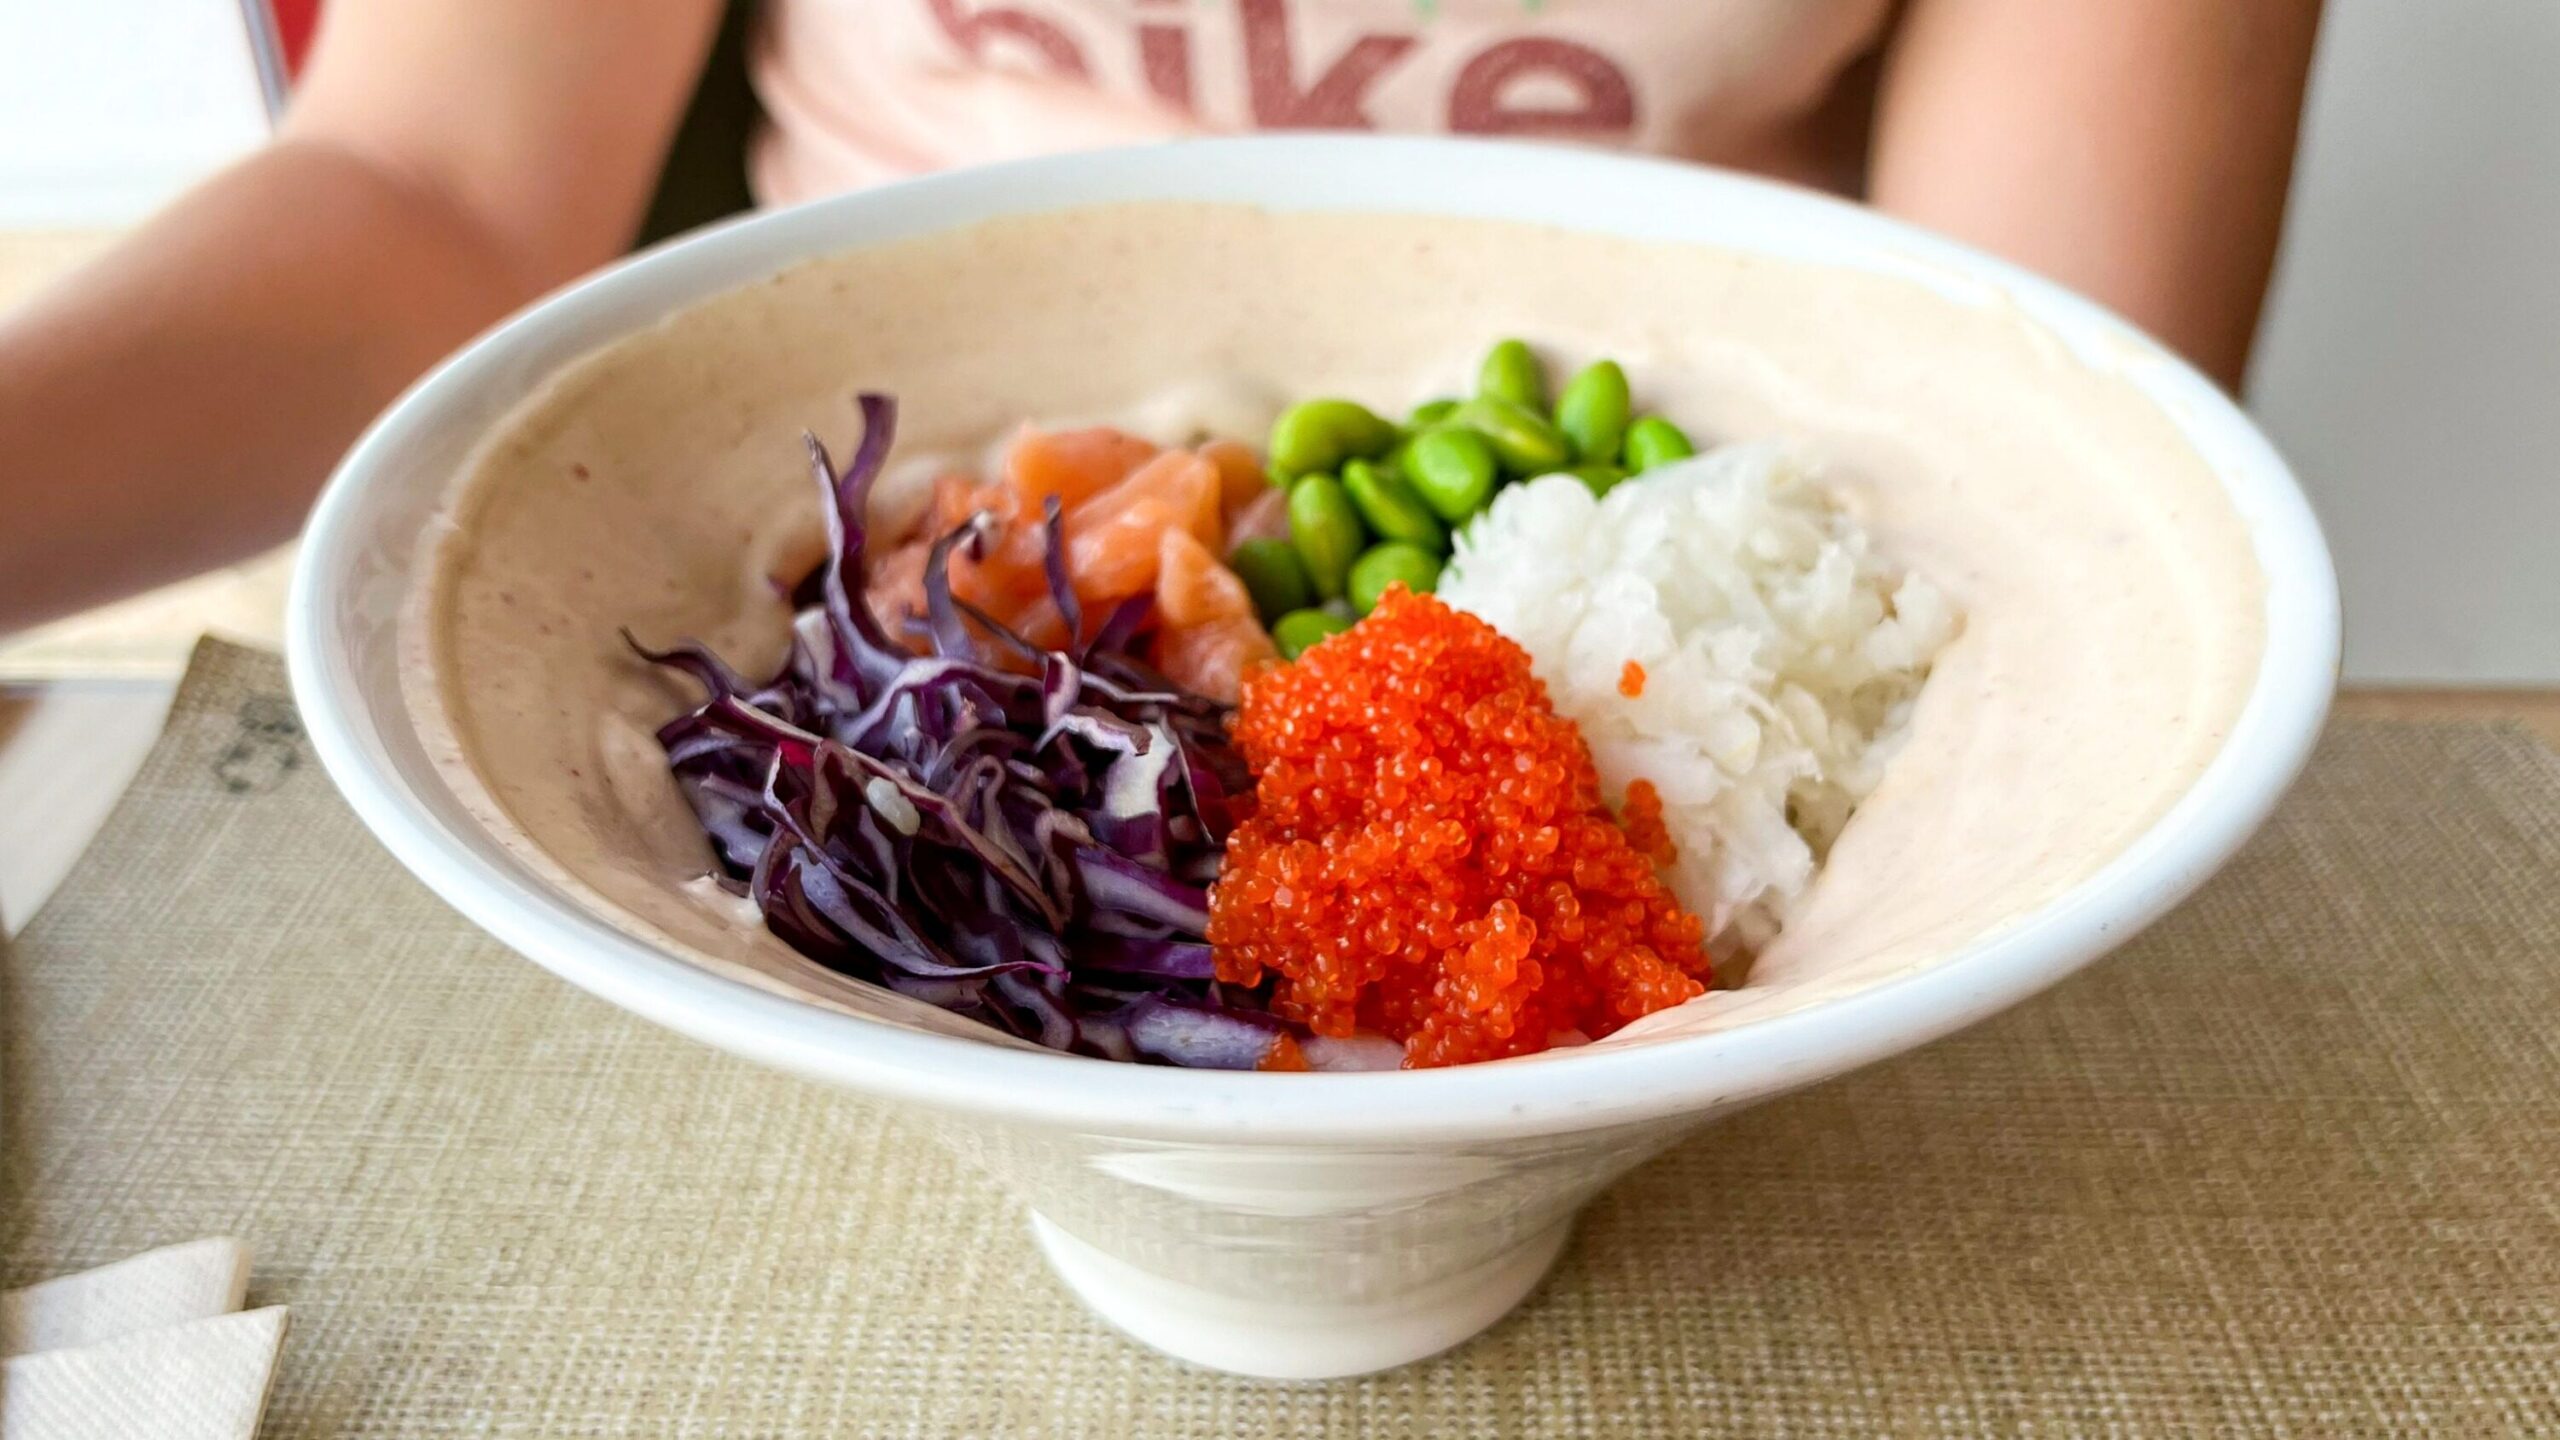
(2285, 1167)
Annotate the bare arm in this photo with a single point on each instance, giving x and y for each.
(176, 404)
(2136, 151)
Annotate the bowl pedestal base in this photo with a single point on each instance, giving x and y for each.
(1282, 1340)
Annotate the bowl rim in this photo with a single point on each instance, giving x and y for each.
(1553, 1093)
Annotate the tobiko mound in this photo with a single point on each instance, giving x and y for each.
(1428, 857)
(1005, 769)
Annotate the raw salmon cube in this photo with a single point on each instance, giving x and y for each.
(1113, 538)
(895, 588)
(1241, 480)
(1192, 588)
(1071, 464)
(1213, 658)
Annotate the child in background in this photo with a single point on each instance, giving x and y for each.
(175, 405)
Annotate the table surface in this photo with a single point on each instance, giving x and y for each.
(68, 748)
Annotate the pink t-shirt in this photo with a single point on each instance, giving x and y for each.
(859, 91)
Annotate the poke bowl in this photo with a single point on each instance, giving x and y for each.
(579, 640)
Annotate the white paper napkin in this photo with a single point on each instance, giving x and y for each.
(194, 1281)
(145, 1349)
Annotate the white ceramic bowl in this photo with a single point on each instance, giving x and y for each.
(1286, 1225)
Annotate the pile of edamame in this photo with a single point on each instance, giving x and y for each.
(1372, 502)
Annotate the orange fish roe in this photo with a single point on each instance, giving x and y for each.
(1631, 680)
(1428, 857)
(1642, 817)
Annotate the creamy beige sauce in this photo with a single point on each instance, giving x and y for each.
(2113, 609)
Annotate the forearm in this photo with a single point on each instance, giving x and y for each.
(2138, 152)
(177, 403)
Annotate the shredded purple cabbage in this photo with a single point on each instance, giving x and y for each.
(1028, 844)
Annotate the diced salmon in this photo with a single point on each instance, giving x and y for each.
(1192, 588)
(1042, 625)
(1241, 480)
(1191, 490)
(1205, 516)
(1114, 556)
(1213, 658)
(1071, 464)
(1136, 518)
(1009, 577)
(956, 497)
(1114, 537)
(896, 587)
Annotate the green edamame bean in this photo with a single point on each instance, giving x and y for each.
(1593, 411)
(1386, 564)
(1393, 511)
(1429, 413)
(1511, 373)
(1654, 441)
(1522, 439)
(1453, 471)
(1273, 575)
(1314, 436)
(1300, 629)
(1325, 531)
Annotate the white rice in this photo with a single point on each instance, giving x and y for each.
(1781, 657)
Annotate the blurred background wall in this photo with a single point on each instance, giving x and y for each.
(2411, 363)
(107, 107)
